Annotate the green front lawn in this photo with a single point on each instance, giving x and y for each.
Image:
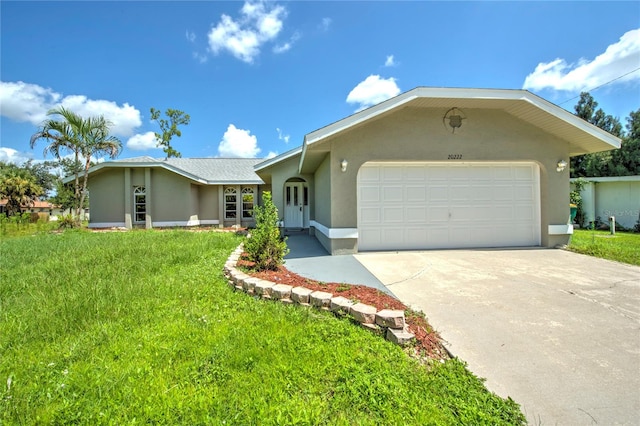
(141, 327)
(623, 246)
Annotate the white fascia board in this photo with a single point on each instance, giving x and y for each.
(122, 164)
(573, 120)
(609, 179)
(277, 159)
(235, 182)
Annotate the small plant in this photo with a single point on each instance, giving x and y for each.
(265, 247)
(575, 197)
(343, 287)
(67, 221)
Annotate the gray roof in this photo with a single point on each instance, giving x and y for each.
(203, 170)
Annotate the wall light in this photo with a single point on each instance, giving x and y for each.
(561, 166)
(343, 165)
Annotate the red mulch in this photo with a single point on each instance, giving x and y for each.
(428, 341)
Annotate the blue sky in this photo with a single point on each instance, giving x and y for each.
(256, 77)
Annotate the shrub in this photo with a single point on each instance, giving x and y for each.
(265, 247)
(67, 221)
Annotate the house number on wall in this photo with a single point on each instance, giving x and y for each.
(455, 157)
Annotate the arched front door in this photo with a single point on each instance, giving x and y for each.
(296, 204)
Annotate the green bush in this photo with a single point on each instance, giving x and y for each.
(265, 247)
(67, 221)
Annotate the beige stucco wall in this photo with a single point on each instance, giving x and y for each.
(418, 134)
(106, 197)
(208, 202)
(279, 175)
(322, 198)
(171, 197)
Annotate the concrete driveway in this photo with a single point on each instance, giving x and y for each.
(556, 331)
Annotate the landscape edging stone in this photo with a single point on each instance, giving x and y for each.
(390, 322)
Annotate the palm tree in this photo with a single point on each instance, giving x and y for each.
(97, 142)
(82, 137)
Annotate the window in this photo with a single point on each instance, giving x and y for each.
(247, 202)
(230, 203)
(139, 203)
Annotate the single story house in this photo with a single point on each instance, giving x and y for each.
(617, 196)
(429, 168)
(37, 206)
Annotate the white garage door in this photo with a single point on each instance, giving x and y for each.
(438, 205)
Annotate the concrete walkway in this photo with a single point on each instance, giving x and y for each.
(556, 331)
(309, 259)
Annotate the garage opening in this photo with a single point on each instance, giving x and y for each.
(431, 205)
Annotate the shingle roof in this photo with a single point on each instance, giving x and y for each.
(204, 170)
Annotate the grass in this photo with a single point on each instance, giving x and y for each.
(141, 327)
(623, 246)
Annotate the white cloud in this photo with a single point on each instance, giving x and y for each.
(271, 154)
(125, 118)
(238, 143)
(373, 90)
(200, 57)
(390, 62)
(191, 36)
(143, 142)
(10, 155)
(325, 24)
(258, 24)
(281, 48)
(618, 59)
(29, 102)
(282, 136)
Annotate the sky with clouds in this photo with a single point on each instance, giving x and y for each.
(255, 77)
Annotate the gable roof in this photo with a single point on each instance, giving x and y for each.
(583, 137)
(209, 171)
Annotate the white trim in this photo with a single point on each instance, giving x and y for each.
(560, 229)
(106, 224)
(608, 179)
(335, 233)
(277, 159)
(193, 222)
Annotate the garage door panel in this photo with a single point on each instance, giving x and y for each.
(369, 174)
(370, 194)
(482, 193)
(415, 215)
(416, 193)
(392, 194)
(370, 216)
(438, 214)
(393, 215)
(392, 173)
(438, 193)
(436, 205)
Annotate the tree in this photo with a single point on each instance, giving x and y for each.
(599, 163)
(169, 129)
(627, 158)
(265, 247)
(84, 138)
(19, 189)
(97, 142)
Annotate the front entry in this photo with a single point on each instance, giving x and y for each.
(295, 202)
